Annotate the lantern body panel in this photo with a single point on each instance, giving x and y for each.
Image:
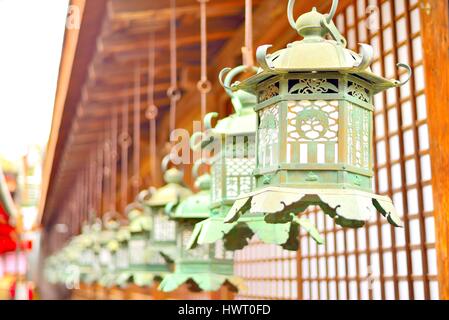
(314, 131)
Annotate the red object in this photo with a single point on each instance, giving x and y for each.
(7, 233)
(12, 291)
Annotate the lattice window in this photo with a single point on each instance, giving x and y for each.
(220, 252)
(379, 261)
(268, 136)
(359, 136)
(239, 164)
(312, 131)
(122, 257)
(216, 179)
(201, 252)
(105, 257)
(137, 251)
(269, 271)
(164, 228)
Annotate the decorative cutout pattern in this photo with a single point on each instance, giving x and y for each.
(358, 136)
(357, 91)
(122, 258)
(268, 136)
(216, 171)
(311, 86)
(269, 92)
(239, 176)
(164, 229)
(137, 251)
(200, 252)
(221, 253)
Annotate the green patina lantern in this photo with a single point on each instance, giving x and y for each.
(90, 270)
(137, 264)
(163, 235)
(232, 169)
(122, 257)
(314, 134)
(107, 254)
(207, 267)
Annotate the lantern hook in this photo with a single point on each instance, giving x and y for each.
(366, 55)
(197, 165)
(263, 58)
(292, 21)
(165, 162)
(204, 137)
(145, 194)
(227, 74)
(409, 74)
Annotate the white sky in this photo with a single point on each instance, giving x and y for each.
(31, 35)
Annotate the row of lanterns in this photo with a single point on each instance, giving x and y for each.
(300, 136)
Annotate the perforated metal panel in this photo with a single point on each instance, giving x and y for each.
(377, 261)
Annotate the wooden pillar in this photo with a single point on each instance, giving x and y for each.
(435, 33)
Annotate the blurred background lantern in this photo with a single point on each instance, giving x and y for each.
(108, 249)
(232, 169)
(314, 138)
(136, 267)
(160, 251)
(207, 267)
(122, 256)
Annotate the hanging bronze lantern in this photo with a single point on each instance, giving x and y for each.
(122, 257)
(108, 250)
(207, 267)
(141, 269)
(232, 175)
(160, 250)
(314, 135)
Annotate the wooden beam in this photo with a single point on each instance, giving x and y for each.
(160, 11)
(184, 39)
(65, 70)
(435, 38)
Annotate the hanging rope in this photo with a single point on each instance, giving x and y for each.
(247, 50)
(204, 85)
(125, 143)
(173, 92)
(136, 131)
(152, 111)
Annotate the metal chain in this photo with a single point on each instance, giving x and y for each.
(106, 173)
(173, 92)
(113, 157)
(204, 85)
(136, 132)
(247, 50)
(125, 143)
(99, 186)
(152, 110)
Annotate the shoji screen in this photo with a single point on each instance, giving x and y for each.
(270, 272)
(378, 261)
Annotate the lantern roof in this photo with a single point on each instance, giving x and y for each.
(316, 53)
(138, 220)
(244, 122)
(244, 119)
(173, 192)
(123, 234)
(196, 206)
